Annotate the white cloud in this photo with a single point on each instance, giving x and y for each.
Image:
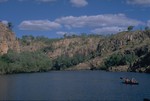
(96, 21)
(60, 33)
(63, 33)
(104, 23)
(108, 30)
(4, 22)
(79, 3)
(148, 23)
(139, 2)
(38, 25)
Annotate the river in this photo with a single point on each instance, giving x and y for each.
(74, 85)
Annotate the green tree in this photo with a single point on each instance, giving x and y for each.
(65, 35)
(130, 28)
(120, 59)
(10, 25)
(147, 28)
(115, 60)
(13, 62)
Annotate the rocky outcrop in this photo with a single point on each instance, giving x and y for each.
(73, 46)
(7, 40)
(136, 42)
(119, 68)
(130, 44)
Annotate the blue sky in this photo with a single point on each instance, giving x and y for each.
(53, 18)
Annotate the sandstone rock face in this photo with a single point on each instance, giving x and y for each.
(7, 40)
(73, 46)
(119, 69)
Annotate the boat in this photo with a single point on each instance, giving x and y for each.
(128, 81)
(131, 83)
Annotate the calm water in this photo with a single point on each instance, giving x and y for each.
(74, 85)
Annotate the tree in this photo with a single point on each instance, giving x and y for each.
(147, 28)
(83, 34)
(10, 25)
(130, 28)
(65, 35)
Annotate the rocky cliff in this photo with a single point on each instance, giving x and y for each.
(132, 48)
(124, 51)
(7, 40)
(73, 46)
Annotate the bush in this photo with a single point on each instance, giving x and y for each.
(142, 62)
(65, 61)
(24, 62)
(115, 60)
(119, 59)
(130, 28)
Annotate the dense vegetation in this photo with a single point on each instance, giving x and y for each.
(37, 61)
(118, 59)
(142, 62)
(64, 61)
(13, 62)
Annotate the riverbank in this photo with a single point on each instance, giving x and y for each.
(113, 69)
(124, 68)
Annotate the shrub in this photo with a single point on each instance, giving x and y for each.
(130, 28)
(120, 59)
(24, 62)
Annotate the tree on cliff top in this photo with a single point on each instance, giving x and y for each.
(130, 28)
(10, 25)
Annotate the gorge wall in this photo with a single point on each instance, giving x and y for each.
(7, 40)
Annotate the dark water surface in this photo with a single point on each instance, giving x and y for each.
(74, 85)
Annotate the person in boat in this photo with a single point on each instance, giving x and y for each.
(133, 80)
(127, 80)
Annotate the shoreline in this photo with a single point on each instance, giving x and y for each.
(72, 70)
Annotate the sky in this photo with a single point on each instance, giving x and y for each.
(54, 18)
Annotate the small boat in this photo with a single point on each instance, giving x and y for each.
(131, 83)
